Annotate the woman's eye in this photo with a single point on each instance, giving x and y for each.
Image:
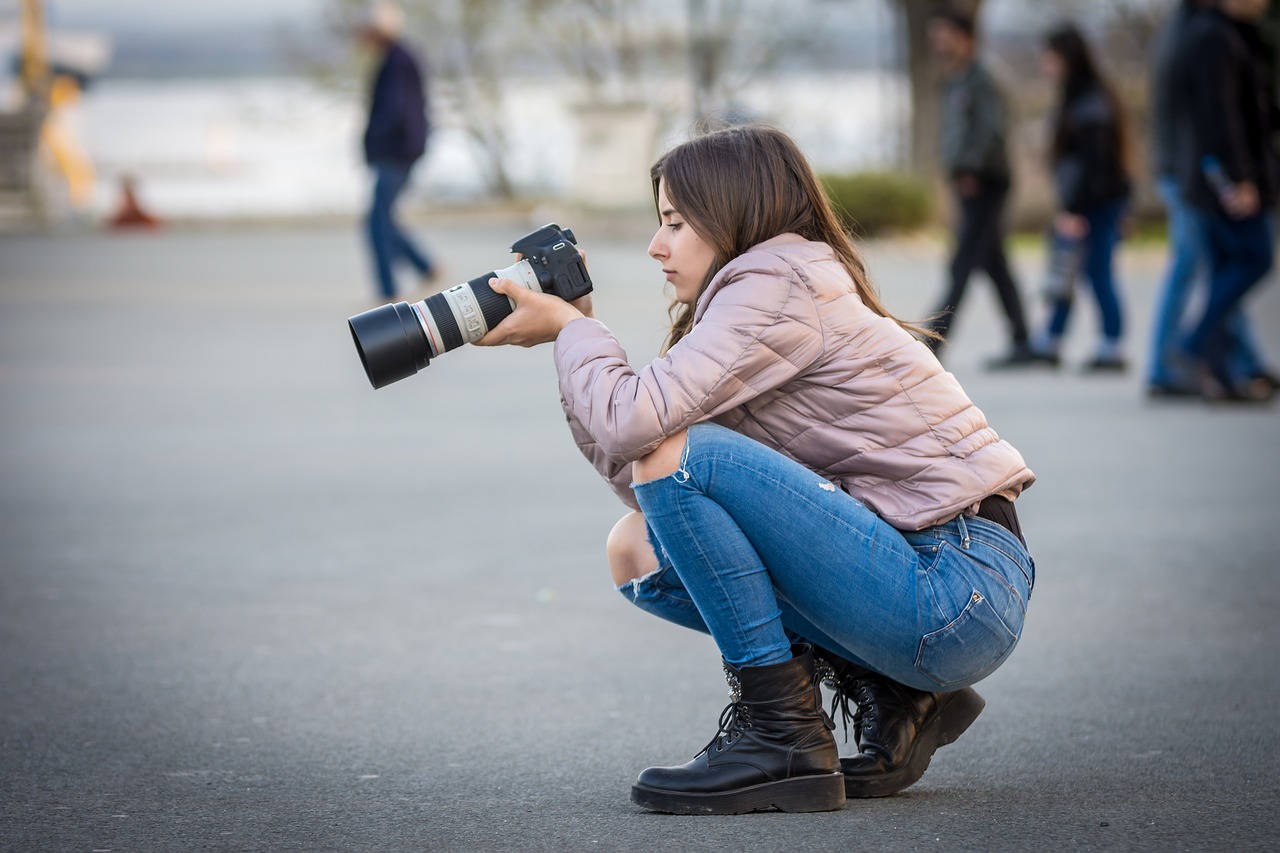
(675, 226)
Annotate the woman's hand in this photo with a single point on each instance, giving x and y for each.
(1071, 226)
(537, 318)
(1242, 201)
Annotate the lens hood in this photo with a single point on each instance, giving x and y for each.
(390, 342)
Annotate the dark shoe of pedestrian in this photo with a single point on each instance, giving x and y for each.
(1046, 358)
(1105, 364)
(1249, 391)
(898, 730)
(774, 750)
(1259, 389)
(1172, 391)
(431, 282)
(1218, 387)
(1018, 356)
(1266, 377)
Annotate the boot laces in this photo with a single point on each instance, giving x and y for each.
(849, 700)
(734, 720)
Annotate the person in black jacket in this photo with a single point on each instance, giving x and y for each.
(1230, 176)
(394, 140)
(1089, 159)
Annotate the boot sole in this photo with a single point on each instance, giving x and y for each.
(799, 794)
(956, 713)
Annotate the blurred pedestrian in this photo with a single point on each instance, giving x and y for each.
(395, 138)
(976, 162)
(1230, 176)
(130, 214)
(807, 484)
(1167, 375)
(1089, 160)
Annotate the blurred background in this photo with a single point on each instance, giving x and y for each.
(247, 603)
(223, 109)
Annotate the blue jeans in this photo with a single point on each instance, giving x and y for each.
(1098, 268)
(759, 551)
(387, 241)
(1240, 254)
(1186, 253)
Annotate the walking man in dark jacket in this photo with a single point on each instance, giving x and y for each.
(394, 140)
(1166, 372)
(1229, 174)
(976, 161)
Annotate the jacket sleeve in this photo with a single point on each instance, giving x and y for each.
(1093, 152)
(383, 115)
(396, 112)
(1216, 96)
(759, 330)
(1163, 95)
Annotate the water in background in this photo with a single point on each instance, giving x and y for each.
(283, 147)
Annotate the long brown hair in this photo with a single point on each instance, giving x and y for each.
(739, 186)
(1081, 74)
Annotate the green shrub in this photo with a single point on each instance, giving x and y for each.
(872, 203)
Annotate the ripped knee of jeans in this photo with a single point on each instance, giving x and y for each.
(633, 587)
(660, 593)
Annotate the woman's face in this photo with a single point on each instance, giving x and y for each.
(685, 257)
(1053, 66)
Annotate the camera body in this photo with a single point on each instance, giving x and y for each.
(396, 341)
(552, 253)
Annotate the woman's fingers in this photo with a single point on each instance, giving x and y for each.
(537, 318)
(499, 334)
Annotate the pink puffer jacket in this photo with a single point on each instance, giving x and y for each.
(785, 352)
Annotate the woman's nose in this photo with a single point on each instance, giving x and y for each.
(657, 249)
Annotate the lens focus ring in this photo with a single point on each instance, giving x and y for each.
(494, 306)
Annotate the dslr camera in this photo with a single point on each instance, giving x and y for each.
(397, 340)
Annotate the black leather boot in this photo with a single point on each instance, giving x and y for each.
(774, 750)
(897, 728)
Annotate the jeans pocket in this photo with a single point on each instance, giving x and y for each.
(929, 553)
(968, 649)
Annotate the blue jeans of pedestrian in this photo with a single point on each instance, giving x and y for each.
(1186, 256)
(1099, 269)
(1240, 254)
(387, 241)
(759, 551)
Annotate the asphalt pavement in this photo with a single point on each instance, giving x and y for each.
(249, 604)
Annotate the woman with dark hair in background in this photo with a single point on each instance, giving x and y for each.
(806, 484)
(1089, 158)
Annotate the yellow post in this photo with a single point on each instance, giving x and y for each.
(34, 57)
